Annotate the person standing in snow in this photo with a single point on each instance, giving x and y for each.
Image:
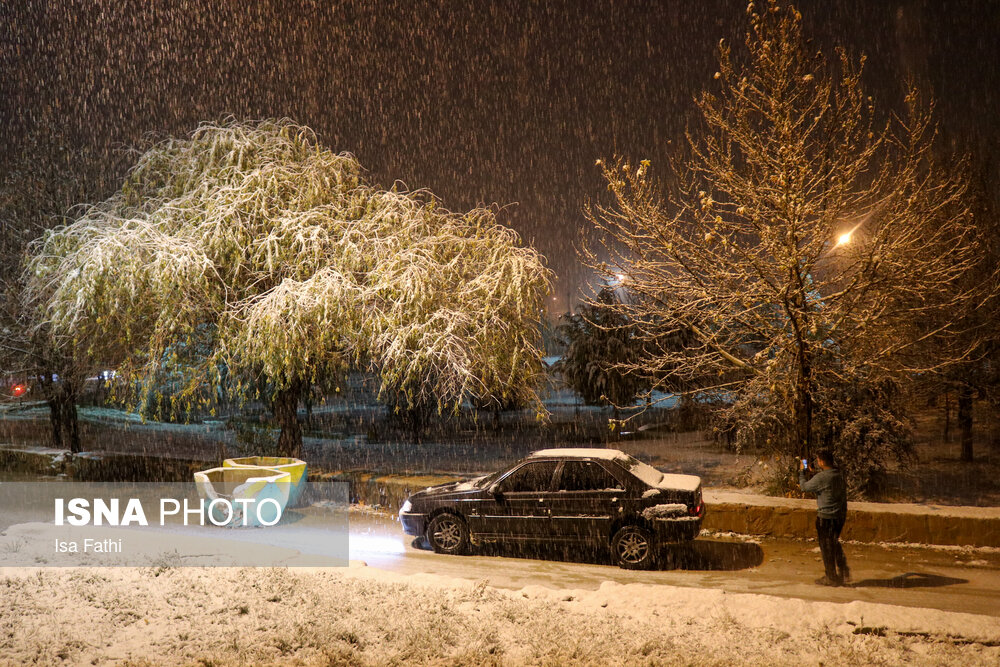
(831, 512)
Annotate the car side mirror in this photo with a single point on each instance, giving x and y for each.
(496, 493)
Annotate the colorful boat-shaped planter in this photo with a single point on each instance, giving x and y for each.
(246, 488)
(296, 468)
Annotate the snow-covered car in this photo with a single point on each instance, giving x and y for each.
(600, 497)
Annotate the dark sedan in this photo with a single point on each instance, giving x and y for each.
(601, 497)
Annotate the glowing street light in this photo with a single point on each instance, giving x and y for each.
(846, 237)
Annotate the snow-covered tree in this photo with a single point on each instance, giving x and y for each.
(599, 344)
(802, 241)
(41, 183)
(295, 268)
(978, 376)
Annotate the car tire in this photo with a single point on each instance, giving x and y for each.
(448, 534)
(633, 548)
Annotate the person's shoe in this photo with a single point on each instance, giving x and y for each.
(845, 575)
(826, 581)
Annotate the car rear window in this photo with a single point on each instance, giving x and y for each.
(586, 476)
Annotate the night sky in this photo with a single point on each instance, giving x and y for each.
(505, 102)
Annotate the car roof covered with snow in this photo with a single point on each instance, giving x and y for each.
(581, 452)
(645, 472)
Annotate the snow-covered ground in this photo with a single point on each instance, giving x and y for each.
(361, 615)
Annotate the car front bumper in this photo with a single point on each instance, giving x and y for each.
(414, 523)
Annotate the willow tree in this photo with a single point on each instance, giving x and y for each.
(41, 183)
(802, 242)
(253, 242)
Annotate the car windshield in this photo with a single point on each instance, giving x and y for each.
(647, 473)
(484, 482)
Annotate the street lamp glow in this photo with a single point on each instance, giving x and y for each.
(622, 277)
(845, 238)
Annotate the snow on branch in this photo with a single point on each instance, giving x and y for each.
(801, 243)
(298, 268)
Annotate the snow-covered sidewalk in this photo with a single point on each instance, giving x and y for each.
(361, 615)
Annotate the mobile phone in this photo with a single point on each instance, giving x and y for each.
(805, 464)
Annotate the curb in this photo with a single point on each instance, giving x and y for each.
(383, 491)
(96, 466)
(941, 525)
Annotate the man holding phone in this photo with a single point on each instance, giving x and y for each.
(831, 512)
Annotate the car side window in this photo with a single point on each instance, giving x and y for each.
(586, 476)
(530, 477)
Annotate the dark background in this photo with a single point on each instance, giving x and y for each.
(505, 102)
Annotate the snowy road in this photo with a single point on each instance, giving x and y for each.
(946, 579)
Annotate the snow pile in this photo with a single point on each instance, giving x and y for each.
(359, 615)
(665, 511)
(761, 612)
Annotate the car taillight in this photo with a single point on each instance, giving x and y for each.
(697, 509)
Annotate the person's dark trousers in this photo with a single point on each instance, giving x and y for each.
(834, 560)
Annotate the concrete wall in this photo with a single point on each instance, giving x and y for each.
(866, 522)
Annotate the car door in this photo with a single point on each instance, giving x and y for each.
(519, 510)
(587, 500)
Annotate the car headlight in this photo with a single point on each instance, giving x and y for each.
(406, 506)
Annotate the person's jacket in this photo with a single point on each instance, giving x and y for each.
(830, 490)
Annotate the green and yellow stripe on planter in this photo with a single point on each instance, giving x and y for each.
(296, 469)
(254, 484)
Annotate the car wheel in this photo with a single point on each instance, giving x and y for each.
(633, 548)
(448, 534)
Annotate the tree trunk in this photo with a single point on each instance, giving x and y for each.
(947, 416)
(308, 400)
(63, 416)
(417, 421)
(802, 410)
(964, 418)
(286, 413)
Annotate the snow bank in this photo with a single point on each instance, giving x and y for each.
(800, 617)
(360, 615)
